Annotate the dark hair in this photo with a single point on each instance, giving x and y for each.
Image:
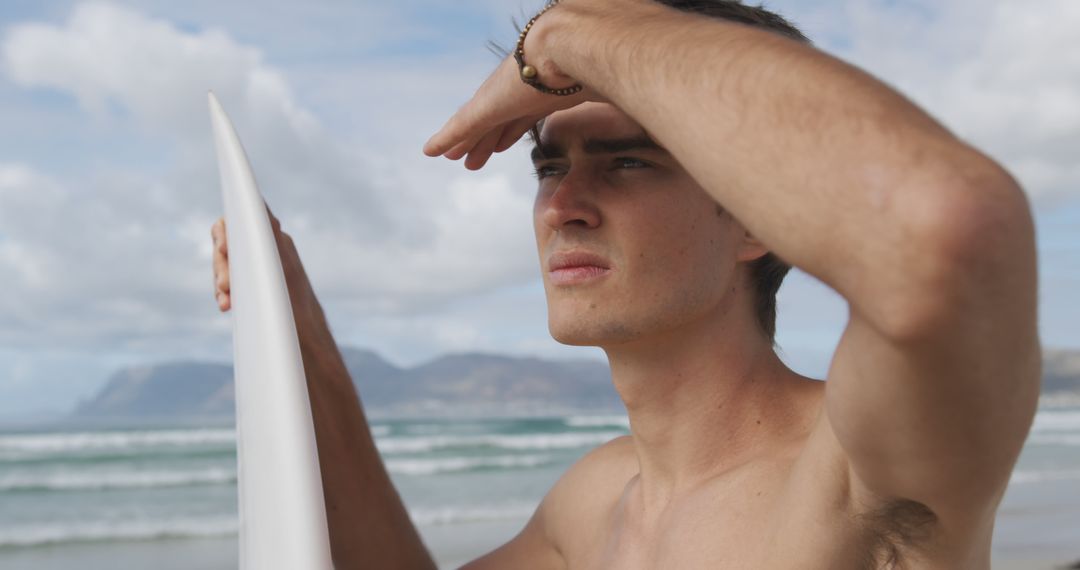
(767, 272)
(736, 11)
(766, 275)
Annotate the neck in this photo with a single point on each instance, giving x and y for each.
(703, 400)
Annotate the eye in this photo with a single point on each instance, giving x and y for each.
(630, 163)
(543, 171)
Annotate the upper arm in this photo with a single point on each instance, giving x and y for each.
(934, 404)
(573, 510)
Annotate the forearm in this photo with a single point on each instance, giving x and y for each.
(835, 172)
(369, 525)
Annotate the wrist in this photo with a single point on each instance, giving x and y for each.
(541, 49)
(575, 41)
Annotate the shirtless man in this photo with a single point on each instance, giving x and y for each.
(697, 147)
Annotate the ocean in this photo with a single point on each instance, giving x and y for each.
(165, 497)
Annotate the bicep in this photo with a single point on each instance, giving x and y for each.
(938, 419)
(933, 403)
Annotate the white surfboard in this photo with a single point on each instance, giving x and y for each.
(282, 513)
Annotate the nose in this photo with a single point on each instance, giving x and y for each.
(571, 204)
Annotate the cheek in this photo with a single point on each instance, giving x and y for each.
(687, 270)
(684, 245)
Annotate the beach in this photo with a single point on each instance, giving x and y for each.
(451, 547)
(165, 497)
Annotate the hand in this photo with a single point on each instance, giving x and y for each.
(505, 108)
(306, 309)
(221, 265)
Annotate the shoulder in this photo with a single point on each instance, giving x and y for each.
(572, 515)
(572, 509)
(597, 477)
(599, 468)
(577, 506)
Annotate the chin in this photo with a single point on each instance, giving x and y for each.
(581, 332)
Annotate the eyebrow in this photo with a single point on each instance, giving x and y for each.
(548, 151)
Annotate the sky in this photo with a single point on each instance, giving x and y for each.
(108, 180)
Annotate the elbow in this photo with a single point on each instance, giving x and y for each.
(970, 249)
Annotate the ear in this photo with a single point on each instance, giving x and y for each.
(750, 249)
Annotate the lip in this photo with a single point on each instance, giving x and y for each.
(576, 267)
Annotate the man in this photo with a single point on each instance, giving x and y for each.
(696, 147)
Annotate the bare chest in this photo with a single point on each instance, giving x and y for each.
(735, 539)
(763, 519)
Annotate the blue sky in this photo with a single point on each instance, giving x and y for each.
(108, 185)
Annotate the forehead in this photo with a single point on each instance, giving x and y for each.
(588, 121)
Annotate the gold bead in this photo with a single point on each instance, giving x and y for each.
(528, 72)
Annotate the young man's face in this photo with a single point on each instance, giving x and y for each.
(630, 246)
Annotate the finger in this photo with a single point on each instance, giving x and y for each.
(465, 128)
(221, 257)
(500, 99)
(439, 143)
(220, 237)
(465, 125)
(480, 154)
(222, 283)
(463, 148)
(514, 132)
(224, 302)
(452, 134)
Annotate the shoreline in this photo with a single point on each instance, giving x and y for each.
(450, 545)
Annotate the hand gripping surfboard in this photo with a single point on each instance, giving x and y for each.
(282, 513)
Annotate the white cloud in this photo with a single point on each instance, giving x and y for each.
(96, 265)
(476, 237)
(1003, 74)
(123, 257)
(106, 53)
(413, 256)
(157, 75)
(470, 325)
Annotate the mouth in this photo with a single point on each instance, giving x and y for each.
(576, 268)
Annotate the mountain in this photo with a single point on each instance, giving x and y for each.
(463, 379)
(1061, 372)
(458, 382)
(183, 389)
(476, 382)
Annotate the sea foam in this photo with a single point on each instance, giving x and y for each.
(1023, 477)
(517, 442)
(81, 441)
(1056, 421)
(598, 421)
(460, 514)
(101, 480)
(439, 465)
(108, 531)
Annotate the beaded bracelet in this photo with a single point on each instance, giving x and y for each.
(528, 73)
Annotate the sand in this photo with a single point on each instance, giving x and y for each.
(452, 546)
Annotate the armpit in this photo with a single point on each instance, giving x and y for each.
(893, 532)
